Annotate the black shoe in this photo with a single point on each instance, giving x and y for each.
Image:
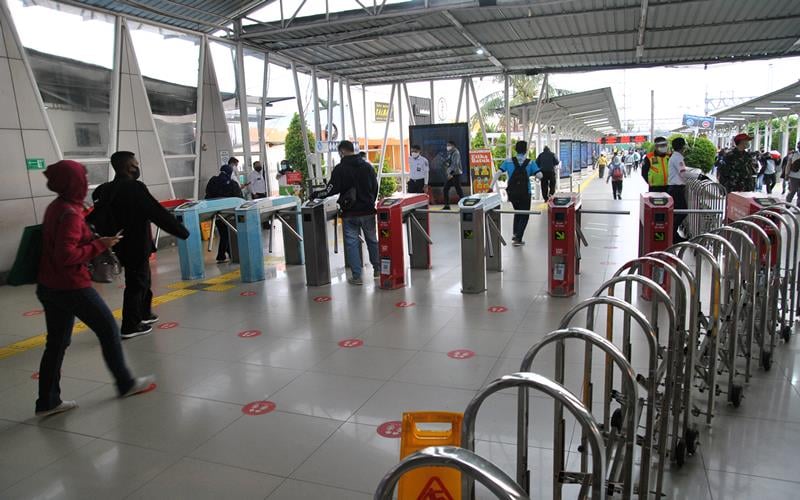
(446, 207)
(140, 330)
(149, 321)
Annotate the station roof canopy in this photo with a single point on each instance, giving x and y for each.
(385, 41)
(593, 112)
(782, 102)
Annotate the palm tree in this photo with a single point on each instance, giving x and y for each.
(524, 88)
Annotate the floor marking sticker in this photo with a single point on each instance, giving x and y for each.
(350, 343)
(249, 334)
(498, 309)
(390, 430)
(168, 325)
(461, 354)
(258, 408)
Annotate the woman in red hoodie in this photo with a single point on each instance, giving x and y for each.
(65, 289)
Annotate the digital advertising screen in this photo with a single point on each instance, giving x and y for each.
(565, 158)
(433, 141)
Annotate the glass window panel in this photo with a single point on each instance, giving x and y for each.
(170, 65)
(183, 189)
(224, 57)
(254, 82)
(71, 52)
(180, 167)
(97, 173)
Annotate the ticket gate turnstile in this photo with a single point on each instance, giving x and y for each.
(392, 213)
(563, 259)
(190, 250)
(248, 224)
(656, 232)
(481, 239)
(315, 216)
(739, 205)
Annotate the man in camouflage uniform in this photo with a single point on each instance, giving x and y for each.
(738, 168)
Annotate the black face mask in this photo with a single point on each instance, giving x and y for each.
(257, 169)
(136, 173)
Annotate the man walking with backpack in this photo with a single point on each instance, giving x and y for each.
(547, 161)
(125, 206)
(519, 169)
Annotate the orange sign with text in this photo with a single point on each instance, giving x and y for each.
(481, 168)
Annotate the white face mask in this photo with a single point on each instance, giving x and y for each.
(661, 149)
(415, 155)
(449, 148)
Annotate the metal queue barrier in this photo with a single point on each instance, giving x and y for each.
(782, 217)
(466, 461)
(190, 250)
(594, 481)
(393, 212)
(249, 218)
(315, 217)
(619, 429)
(706, 206)
(792, 213)
(564, 238)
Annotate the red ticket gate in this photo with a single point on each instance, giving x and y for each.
(740, 205)
(655, 234)
(563, 260)
(392, 213)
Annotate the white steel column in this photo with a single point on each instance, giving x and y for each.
(317, 124)
(330, 122)
(507, 99)
(303, 126)
(411, 119)
(199, 116)
(364, 103)
(343, 124)
(460, 94)
(785, 137)
(480, 115)
(402, 137)
(433, 106)
(757, 138)
(262, 125)
(352, 111)
(241, 91)
(385, 135)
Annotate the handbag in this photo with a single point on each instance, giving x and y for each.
(26, 264)
(104, 268)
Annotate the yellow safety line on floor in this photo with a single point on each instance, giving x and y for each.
(581, 188)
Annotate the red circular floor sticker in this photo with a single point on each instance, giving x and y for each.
(322, 298)
(498, 309)
(403, 303)
(35, 312)
(247, 294)
(35, 376)
(168, 325)
(391, 430)
(461, 354)
(349, 343)
(258, 408)
(248, 334)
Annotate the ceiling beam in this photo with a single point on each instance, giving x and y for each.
(471, 39)
(642, 28)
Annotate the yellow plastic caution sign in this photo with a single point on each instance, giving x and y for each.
(420, 430)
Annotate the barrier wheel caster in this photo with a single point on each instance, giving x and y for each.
(680, 453)
(691, 440)
(735, 396)
(616, 420)
(766, 360)
(786, 333)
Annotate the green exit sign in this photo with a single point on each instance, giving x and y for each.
(35, 163)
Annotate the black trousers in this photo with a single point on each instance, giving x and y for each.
(224, 248)
(616, 189)
(257, 196)
(769, 181)
(658, 189)
(548, 185)
(416, 185)
(678, 194)
(454, 182)
(137, 300)
(521, 220)
(61, 307)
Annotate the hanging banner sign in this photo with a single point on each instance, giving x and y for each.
(623, 139)
(382, 112)
(703, 122)
(482, 169)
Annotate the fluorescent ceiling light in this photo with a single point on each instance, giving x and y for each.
(596, 120)
(586, 112)
(479, 51)
(774, 109)
(737, 118)
(784, 102)
(756, 113)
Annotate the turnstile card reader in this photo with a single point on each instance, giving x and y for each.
(315, 216)
(739, 205)
(655, 234)
(249, 226)
(190, 250)
(480, 239)
(563, 259)
(392, 213)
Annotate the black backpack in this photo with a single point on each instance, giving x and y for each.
(519, 182)
(101, 219)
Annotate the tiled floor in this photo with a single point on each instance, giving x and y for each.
(191, 439)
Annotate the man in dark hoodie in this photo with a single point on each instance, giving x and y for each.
(547, 162)
(223, 186)
(356, 183)
(133, 208)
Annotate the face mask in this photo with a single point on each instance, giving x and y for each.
(661, 149)
(449, 148)
(257, 169)
(415, 155)
(136, 173)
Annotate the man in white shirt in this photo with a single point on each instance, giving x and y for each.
(678, 173)
(256, 183)
(418, 171)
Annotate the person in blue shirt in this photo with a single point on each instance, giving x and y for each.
(519, 169)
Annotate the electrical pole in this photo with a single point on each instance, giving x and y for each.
(652, 114)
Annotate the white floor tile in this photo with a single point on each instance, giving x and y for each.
(323, 395)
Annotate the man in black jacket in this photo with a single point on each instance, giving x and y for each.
(133, 209)
(547, 162)
(356, 183)
(223, 186)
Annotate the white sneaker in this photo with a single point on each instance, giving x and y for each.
(140, 385)
(64, 406)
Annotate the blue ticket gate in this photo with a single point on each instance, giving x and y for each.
(190, 250)
(249, 218)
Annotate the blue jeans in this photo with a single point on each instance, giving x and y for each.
(352, 226)
(61, 307)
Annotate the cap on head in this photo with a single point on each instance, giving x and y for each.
(741, 137)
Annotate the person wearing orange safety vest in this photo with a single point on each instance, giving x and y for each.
(655, 168)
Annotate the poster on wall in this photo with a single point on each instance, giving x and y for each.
(565, 158)
(433, 141)
(576, 156)
(482, 169)
(584, 155)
